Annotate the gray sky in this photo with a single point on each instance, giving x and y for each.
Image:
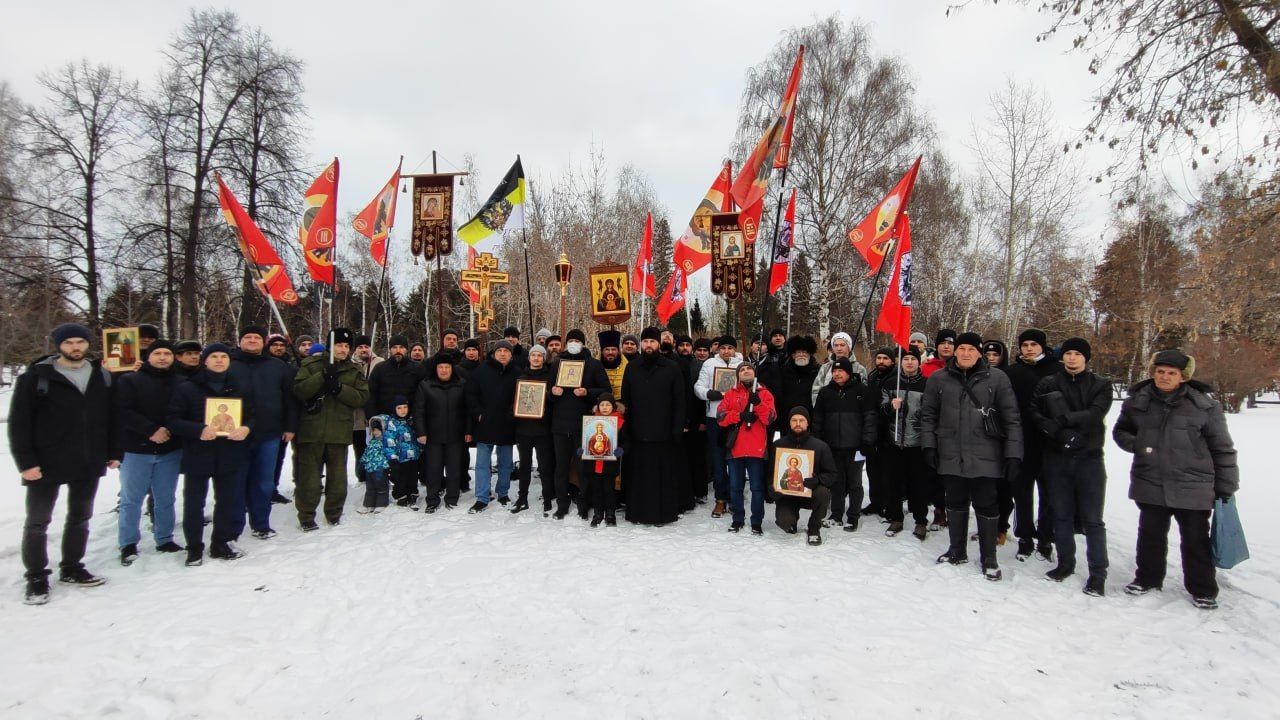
(655, 84)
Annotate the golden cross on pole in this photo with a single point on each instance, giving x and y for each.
(484, 273)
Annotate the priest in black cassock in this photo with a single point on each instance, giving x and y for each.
(653, 393)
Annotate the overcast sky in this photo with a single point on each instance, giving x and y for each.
(655, 84)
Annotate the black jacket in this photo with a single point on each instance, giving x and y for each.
(491, 392)
(824, 462)
(846, 418)
(1069, 412)
(911, 390)
(391, 378)
(953, 424)
(275, 409)
(653, 392)
(206, 458)
(795, 388)
(541, 427)
(1025, 377)
(440, 410)
(142, 407)
(567, 409)
(54, 427)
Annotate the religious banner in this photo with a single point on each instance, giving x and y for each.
(319, 224)
(484, 274)
(610, 285)
(733, 259)
(432, 215)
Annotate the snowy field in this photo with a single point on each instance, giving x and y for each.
(406, 615)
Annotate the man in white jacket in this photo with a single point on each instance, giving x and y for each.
(705, 389)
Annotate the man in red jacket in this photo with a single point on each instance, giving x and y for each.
(745, 414)
(945, 346)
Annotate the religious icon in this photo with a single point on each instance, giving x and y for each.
(724, 378)
(731, 245)
(531, 399)
(569, 373)
(222, 415)
(610, 293)
(790, 468)
(599, 437)
(432, 207)
(120, 349)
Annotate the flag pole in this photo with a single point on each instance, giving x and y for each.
(773, 253)
(897, 415)
(866, 308)
(790, 292)
(528, 283)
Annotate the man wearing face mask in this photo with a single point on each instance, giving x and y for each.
(653, 392)
(567, 406)
(705, 389)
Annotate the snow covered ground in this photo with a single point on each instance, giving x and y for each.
(406, 615)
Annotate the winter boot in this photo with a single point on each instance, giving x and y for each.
(37, 591)
(170, 547)
(477, 508)
(719, 510)
(813, 538)
(1095, 586)
(957, 524)
(940, 519)
(503, 500)
(1205, 603)
(1045, 551)
(80, 576)
(225, 551)
(128, 554)
(852, 525)
(757, 529)
(309, 526)
(1060, 573)
(596, 518)
(195, 556)
(1026, 548)
(610, 518)
(735, 527)
(1137, 588)
(278, 499)
(894, 529)
(988, 527)
(522, 504)
(921, 531)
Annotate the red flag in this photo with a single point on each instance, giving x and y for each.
(642, 273)
(259, 256)
(793, 88)
(781, 269)
(693, 249)
(319, 224)
(473, 292)
(673, 297)
(895, 311)
(749, 220)
(375, 221)
(873, 234)
(753, 178)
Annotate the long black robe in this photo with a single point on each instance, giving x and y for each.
(654, 394)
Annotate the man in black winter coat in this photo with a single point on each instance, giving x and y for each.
(440, 413)
(397, 376)
(533, 435)
(884, 369)
(59, 434)
(568, 406)
(490, 393)
(152, 453)
(846, 417)
(654, 394)
(276, 412)
(1069, 411)
(819, 483)
(1035, 362)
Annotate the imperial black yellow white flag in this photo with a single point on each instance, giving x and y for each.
(504, 210)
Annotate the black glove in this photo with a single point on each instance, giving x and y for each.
(1070, 440)
(754, 398)
(931, 458)
(332, 384)
(867, 450)
(749, 417)
(714, 395)
(1224, 497)
(1012, 466)
(811, 483)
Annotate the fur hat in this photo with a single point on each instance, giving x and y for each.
(148, 331)
(511, 331)
(359, 340)
(400, 340)
(1080, 345)
(799, 343)
(651, 333)
(1175, 358)
(344, 335)
(1035, 335)
(471, 343)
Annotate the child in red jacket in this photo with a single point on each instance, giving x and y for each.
(745, 414)
(599, 476)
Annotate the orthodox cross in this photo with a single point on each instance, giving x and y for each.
(484, 274)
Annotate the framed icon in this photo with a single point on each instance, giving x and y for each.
(599, 437)
(121, 349)
(610, 286)
(569, 373)
(790, 467)
(223, 415)
(732, 245)
(531, 399)
(431, 206)
(724, 378)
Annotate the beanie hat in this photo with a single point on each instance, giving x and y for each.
(359, 340)
(606, 397)
(744, 366)
(543, 333)
(887, 352)
(399, 400)
(400, 340)
(993, 346)
(912, 351)
(651, 333)
(575, 334)
(68, 331)
(316, 349)
(1034, 334)
(630, 338)
(842, 364)
(185, 346)
(848, 340)
(682, 339)
(553, 336)
(258, 330)
(511, 331)
(609, 338)
(212, 348)
(538, 349)
(776, 332)
(727, 340)
(702, 344)
(502, 345)
(149, 331)
(303, 338)
(1081, 346)
(969, 338)
(449, 331)
(945, 335)
(471, 343)
(798, 410)
(276, 338)
(159, 345)
(917, 337)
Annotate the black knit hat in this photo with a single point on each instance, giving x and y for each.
(702, 344)
(993, 346)
(842, 364)
(449, 331)
(682, 339)
(798, 410)
(606, 397)
(887, 352)
(609, 339)
(1081, 346)
(303, 338)
(575, 334)
(969, 338)
(400, 340)
(651, 333)
(511, 331)
(471, 343)
(911, 350)
(359, 340)
(399, 400)
(945, 335)
(212, 348)
(159, 345)
(68, 331)
(727, 340)
(1034, 334)
(258, 330)
(630, 338)
(151, 332)
(277, 338)
(776, 332)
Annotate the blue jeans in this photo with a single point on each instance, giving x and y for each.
(260, 481)
(1078, 488)
(719, 482)
(753, 468)
(140, 473)
(484, 469)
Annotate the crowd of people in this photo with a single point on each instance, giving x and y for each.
(943, 430)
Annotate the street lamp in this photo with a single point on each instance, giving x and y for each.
(564, 271)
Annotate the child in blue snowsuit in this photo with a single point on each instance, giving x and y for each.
(404, 452)
(376, 461)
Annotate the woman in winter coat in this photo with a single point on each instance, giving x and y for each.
(208, 457)
(969, 459)
(1183, 458)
